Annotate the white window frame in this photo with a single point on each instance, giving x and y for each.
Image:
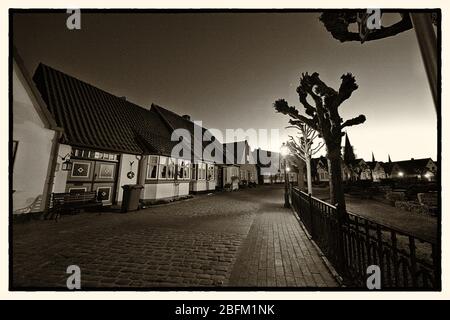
(150, 164)
(205, 170)
(162, 163)
(201, 169)
(186, 166)
(171, 167)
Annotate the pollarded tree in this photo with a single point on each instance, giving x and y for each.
(324, 118)
(303, 148)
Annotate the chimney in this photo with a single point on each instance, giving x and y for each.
(123, 98)
(187, 117)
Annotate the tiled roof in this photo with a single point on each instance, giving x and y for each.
(175, 121)
(234, 152)
(387, 166)
(372, 164)
(413, 166)
(94, 118)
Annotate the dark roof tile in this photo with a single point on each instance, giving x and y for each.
(94, 118)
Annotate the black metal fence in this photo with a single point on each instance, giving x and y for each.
(353, 243)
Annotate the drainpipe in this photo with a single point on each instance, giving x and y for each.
(141, 174)
(48, 188)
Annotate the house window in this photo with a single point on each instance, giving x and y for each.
(201, 167)
(211, 172)
(162, 167)
(183, 169)
(194, 171)
(170, 168)
(152, 167)
(234, 172)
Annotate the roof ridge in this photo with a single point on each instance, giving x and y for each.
(93, 86)
(174, 113)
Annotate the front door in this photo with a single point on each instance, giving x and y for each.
(93, 175)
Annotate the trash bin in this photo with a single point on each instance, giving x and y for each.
(131, 195)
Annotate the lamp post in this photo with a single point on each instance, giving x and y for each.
(284, 153)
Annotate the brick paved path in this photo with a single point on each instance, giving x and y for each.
(242, 238)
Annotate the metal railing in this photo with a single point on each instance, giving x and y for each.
(352, 243)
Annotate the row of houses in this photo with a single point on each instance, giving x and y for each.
(359, 169)
(70, 136)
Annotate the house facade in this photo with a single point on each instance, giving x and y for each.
(322, 170)
(378, 171)
(112, 142)
(239, 166)
(361, 170)
(424, 168)
(203, 176)
(34, 143)
(268, 166)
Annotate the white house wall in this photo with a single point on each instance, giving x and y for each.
(31, 163)
(59, 183)
(199, 185)
(125, 167)
(211, 185)
(155, 191)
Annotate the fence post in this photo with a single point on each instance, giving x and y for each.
(341, 214)
(311, 215)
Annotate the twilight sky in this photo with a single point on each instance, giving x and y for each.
(227, 69)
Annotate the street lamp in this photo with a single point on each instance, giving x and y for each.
(284, 154)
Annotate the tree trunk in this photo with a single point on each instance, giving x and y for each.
(308, 174)
(300, 175)
(335, 172)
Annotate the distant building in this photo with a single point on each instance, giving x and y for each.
(361, 170)
(239, 166)
(378, 171)
(322, 169)
(268, 166)
(424, 168)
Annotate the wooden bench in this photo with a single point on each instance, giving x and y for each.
(74, 201)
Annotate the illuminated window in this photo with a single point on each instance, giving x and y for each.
(201, 171)
(152, 167)
(184, 168)
(162, 167)
(170, 168)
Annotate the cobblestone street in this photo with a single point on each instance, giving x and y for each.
(237, 239)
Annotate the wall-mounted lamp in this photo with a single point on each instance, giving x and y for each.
(67, 164)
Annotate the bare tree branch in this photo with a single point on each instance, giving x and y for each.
(337, 23)
(354, 121)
